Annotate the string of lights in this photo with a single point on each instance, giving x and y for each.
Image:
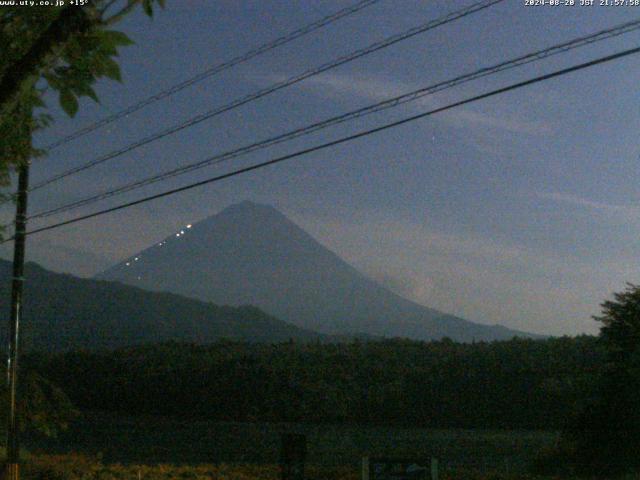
(599, 36)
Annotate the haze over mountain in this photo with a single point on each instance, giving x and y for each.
(59, 258)
(62, 312)
(253, 254)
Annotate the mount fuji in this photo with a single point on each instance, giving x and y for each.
(251, 254)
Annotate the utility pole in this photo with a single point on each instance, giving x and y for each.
(13, 440)
(70, 20)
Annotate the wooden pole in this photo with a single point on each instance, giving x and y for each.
(13, 438)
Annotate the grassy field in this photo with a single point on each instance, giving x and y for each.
(152, 441)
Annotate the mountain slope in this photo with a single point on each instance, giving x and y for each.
(252, 254)
(62, 312)
(59, 258)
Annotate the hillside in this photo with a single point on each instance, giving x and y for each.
(253, 254)
(62, 312)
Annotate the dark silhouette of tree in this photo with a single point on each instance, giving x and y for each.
(620, 320)
(606, 434)
(45, 409)
(66, 49)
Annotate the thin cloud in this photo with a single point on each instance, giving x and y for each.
(368, 88)
(626, 211)
(376, 89)
(508, 123)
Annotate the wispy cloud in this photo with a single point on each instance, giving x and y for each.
(376, 89)
(628, 212)
(509, 123)
(365, 87)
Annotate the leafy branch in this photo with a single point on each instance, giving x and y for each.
(64, 49)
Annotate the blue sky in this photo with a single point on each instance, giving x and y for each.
(522, 209)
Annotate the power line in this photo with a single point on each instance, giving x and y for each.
(451, 17)
(380, 106)
(210, 72)
(339, 141)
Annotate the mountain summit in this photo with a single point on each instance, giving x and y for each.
(251, 254)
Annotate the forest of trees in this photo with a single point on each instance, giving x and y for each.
(519, 384)
(585, 387)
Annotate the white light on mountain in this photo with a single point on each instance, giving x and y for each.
(135, 259)
(181, 232)
(189, 226)
(127, 264)
(177, 234)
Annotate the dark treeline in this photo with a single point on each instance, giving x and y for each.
(528, 384)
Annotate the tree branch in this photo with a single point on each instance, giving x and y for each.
(124, 11)
(109, 4)
(71, 21)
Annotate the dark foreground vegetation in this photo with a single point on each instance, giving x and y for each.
(155, 440)
(77, 467)
(520, 384)
(585, 388)
(483, 407)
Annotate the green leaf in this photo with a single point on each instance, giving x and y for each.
(147, 5)
(111, 69)
(87, 90)
(69, 102)
(113, 37)
(53, 81)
